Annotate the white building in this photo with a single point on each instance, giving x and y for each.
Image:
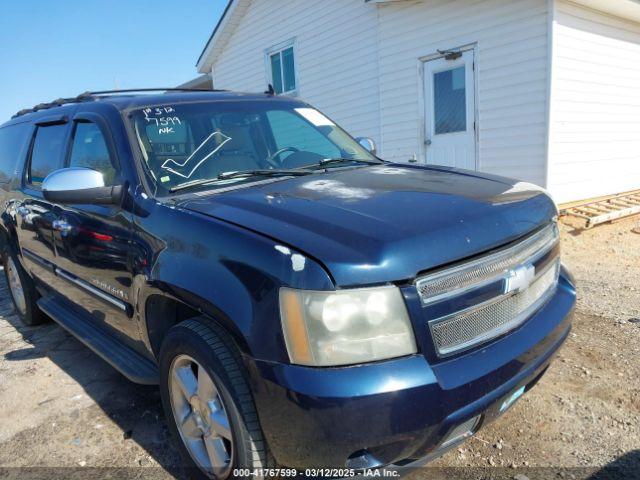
(547, 91)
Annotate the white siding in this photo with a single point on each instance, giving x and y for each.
(595, 104)
(335, 54)
(512, 63)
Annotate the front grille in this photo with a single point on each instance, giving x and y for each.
(455, 280)
(488, 320)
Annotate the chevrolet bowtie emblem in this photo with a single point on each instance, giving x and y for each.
(519, 279)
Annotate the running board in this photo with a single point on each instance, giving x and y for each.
(129, 363)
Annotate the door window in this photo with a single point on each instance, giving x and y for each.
(13, 140)
(449, 101)
(46, 155)
(89, 150)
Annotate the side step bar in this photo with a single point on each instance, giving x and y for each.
(128, 362)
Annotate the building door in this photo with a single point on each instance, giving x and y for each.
(450, 111)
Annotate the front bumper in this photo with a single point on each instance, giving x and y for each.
(400, 411)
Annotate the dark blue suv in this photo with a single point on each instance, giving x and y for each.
(301, 302)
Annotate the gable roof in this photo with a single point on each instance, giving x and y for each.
(230, 19)
(235, 10)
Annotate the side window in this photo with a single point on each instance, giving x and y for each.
(46, 155)
(282, 68)
(290, 130)
(89, 150)
(14, 141)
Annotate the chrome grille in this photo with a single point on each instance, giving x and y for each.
(473, 274)
(490, 319)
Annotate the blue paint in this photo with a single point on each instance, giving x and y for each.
(227, 254)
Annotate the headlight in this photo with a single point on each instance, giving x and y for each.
(345, 327)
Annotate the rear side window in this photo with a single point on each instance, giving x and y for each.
(13, 146)
(46, 155)
(89, 150)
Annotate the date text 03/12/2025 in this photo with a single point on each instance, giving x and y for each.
(315, 473)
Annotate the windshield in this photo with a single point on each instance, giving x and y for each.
(189, 143)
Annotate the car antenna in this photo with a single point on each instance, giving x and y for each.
(270, 90)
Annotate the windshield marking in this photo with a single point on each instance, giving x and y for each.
(197, 165)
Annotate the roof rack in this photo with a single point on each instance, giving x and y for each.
(133, 90)
(94, 95)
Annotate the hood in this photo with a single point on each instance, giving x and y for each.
(386, 223)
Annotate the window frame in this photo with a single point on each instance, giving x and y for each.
(43, 123)
(99, 122)
(279, 49)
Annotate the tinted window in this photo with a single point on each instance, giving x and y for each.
(13, 145)
(46, 155)
(90, 150)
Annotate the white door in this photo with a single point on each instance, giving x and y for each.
(450, 112)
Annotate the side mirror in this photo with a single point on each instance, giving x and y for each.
(80, 186)
(368, 144)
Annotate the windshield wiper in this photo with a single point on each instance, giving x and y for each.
(240, 174)
(265, 173)
(328, 161)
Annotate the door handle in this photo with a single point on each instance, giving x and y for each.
(427, 142)
(61, 226)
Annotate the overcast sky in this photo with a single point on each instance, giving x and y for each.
(52, 49)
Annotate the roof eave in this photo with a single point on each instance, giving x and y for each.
(223, 30)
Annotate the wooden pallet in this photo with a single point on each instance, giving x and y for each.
(605, 210)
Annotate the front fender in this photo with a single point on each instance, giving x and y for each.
(224, 271)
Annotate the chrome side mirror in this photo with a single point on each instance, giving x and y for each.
(80, 186)
(368, 144)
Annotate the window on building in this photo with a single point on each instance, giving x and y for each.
(46, 155)
(282, 67)
(90, 150)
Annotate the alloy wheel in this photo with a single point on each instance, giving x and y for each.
(201, 416)
(15, 287)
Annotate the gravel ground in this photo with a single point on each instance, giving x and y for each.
(64, 413)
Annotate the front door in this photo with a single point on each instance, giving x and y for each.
(92, 242)
(450, 111)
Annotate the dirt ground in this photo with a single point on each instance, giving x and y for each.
(64, 413)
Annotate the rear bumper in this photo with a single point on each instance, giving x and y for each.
(400, 411)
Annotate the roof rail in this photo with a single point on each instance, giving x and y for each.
(133, 90)
(93, 95)
(43, 106)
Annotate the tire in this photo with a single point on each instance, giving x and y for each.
(27, 310)
(199, 345)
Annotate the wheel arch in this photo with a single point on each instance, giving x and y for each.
(162, 308)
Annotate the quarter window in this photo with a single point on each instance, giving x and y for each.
(12, 149)
(282, 67)
(46, 155)
(90, 150)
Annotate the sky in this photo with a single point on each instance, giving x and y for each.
(52, 49)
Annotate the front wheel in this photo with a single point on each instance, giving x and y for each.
(207, 401)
